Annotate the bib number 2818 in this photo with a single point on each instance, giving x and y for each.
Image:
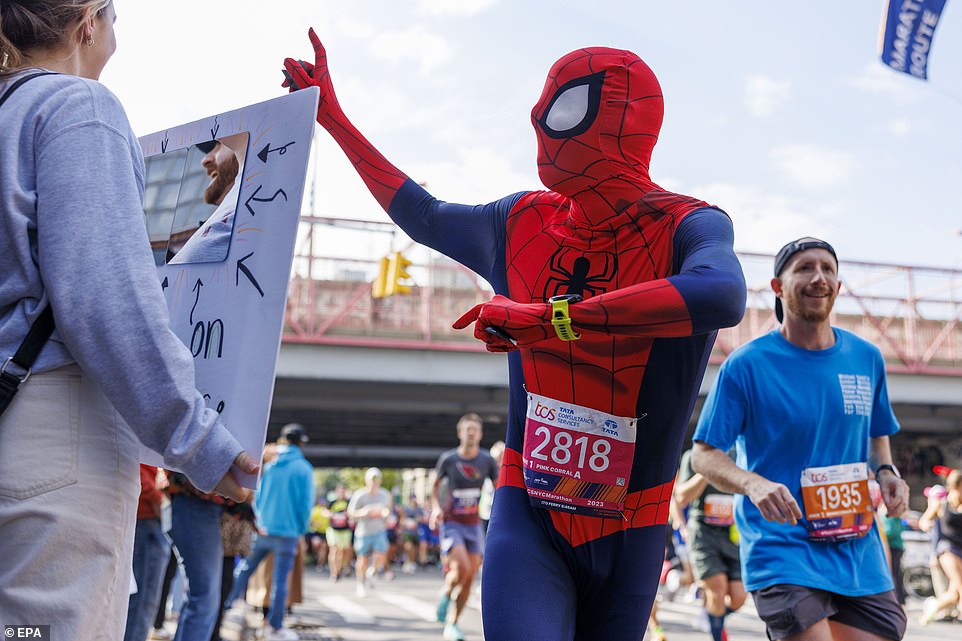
(562, 448)
(577, 459)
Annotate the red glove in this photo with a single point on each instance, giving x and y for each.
(504, 325)
(380, 176)
(299, 74)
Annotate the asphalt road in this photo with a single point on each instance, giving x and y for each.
(404, 610)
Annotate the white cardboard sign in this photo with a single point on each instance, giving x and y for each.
(224, 266)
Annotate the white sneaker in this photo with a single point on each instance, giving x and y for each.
(238, 611)
(930, 609)
(282, 634)
(701, 622)
(361, 591)
(453, 633)
(160, 634)
(673, 581)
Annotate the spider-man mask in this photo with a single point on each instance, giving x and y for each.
(597, 121)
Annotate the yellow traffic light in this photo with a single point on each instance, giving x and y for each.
(379, 286)
(396, 272)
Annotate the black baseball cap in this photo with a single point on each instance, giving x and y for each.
(294, 433)
(790, 249)
(205, 147)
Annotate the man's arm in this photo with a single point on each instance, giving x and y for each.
(677, 517)
(927, 520)
(381, 177)
(435, 519)
(376, 510)
(689, 485)
(689, 490)
(352, 509)
(495, 472)
(773, 500)
(468, 234)
(707, 293)
(895, 491)
(309, 493)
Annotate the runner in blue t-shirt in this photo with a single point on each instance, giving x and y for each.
(807, 410)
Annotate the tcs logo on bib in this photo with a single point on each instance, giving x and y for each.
(543, 411)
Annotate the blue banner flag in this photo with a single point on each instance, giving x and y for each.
(907, 32)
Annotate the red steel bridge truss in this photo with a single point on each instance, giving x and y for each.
(912, 313)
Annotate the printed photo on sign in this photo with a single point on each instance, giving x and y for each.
(190, 199)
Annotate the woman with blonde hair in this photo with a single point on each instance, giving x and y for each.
(101, 374)
(948, 513)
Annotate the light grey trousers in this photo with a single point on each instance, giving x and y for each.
(69, 482)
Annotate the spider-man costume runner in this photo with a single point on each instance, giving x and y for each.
(658, 276)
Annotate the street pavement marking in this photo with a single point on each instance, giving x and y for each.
(347, 609)
(418, 607)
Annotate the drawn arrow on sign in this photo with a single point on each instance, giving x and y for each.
(197, 288)
(263, 153)
(241, 267)
(164, 143)
(164, 285)
(214, 129)
(253, 197)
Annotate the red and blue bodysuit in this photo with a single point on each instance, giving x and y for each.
(644, 277)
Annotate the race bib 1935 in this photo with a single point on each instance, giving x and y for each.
(837, 503)
(577, 459)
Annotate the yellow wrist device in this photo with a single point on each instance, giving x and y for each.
(560, 318)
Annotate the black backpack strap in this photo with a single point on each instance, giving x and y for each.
(39, 332)
(42, 326)
(20, 81)
(26, 355)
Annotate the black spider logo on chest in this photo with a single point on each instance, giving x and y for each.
(575, 272)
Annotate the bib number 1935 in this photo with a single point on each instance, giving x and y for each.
(837, 503)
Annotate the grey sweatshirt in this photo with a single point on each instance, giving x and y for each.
(72, 234)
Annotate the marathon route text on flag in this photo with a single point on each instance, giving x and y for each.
(907, 32)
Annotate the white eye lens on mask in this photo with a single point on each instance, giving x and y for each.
(569, 109)
(574, 107)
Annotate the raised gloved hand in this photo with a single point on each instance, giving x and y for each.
(505, 325)
(299, 74)
(380, 176)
